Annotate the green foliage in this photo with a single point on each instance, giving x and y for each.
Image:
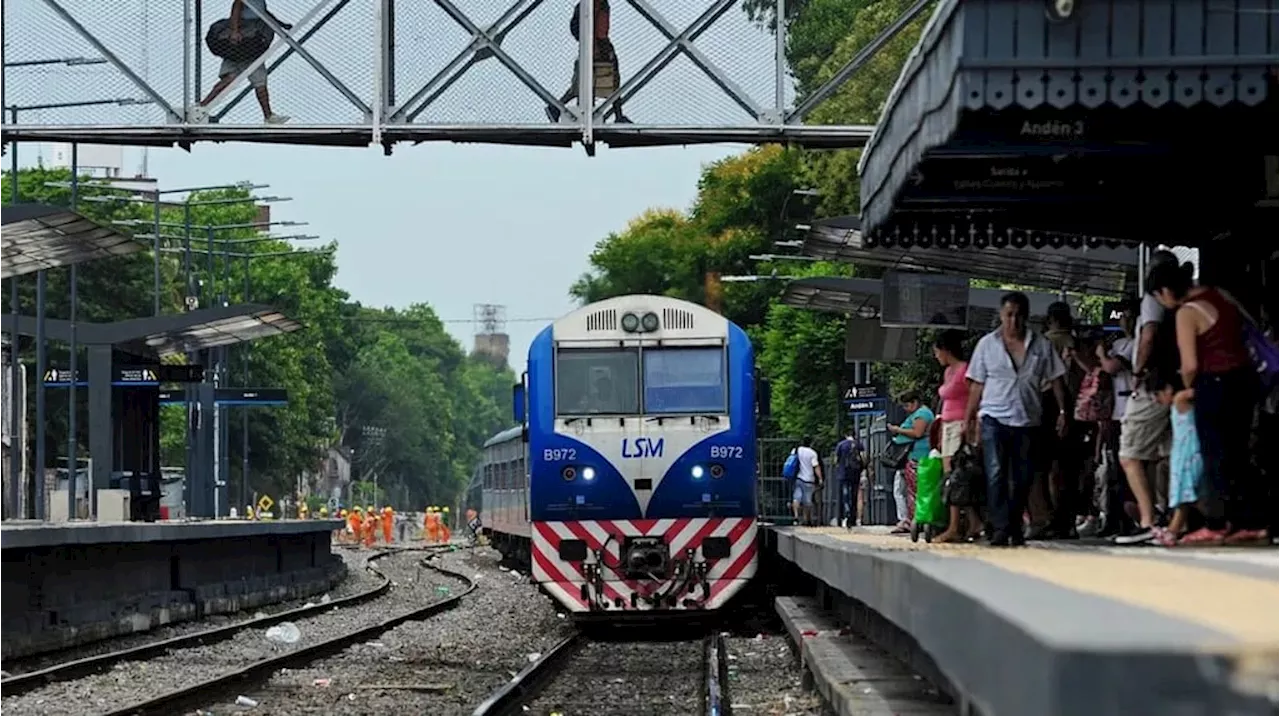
(745, 203)
(348, 368)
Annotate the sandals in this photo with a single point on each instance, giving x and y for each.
(1244, 537)
(1203, 537)
(901, 528)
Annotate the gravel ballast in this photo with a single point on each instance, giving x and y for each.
(132, 682)
(357, 580)
(444, 665)
(764, 678)
(626, 679)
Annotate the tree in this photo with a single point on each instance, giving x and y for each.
(349, 366)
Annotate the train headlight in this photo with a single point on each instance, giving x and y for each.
(696, 472)
(650, 322)
(588, 473)
(630, 322)
(569, 472)
(717, 471)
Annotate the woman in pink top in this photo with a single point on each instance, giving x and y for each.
(948, 349)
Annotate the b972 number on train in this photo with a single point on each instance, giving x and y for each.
(726, 452)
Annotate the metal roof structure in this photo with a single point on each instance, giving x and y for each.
(1094, 122)
(1093, 266)
(36, 237)
(253, 323)
(860, 297)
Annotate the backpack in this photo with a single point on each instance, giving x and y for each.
(791, 467)
(1096, 400)
(255, 39)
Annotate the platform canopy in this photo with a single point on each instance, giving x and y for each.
(252, 323)
(1141, 120)
(1094, 267)
(36, 237)
(860, 298)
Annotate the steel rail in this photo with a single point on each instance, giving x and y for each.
(78, 668)
(197, 695)
(717, 677)
(531, 679)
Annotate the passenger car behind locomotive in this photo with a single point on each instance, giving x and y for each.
(630, 484)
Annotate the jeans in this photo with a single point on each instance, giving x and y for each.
(848, 488)
(1006, 455)
(900, 496)
(1224, 416)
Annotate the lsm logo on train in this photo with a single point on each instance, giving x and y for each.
(641, 447)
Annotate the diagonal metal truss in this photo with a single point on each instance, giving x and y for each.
(681, 43)
(385, 119)
(485, 44)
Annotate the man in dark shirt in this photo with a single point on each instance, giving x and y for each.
(602, 52)
(850, 460)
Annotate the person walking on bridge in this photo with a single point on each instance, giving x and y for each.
(245, 24)
(602, 52)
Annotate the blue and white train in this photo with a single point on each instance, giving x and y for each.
(630, 484)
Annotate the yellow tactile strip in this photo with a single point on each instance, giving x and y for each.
(1246, 608)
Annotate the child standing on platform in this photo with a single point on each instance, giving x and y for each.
(1186, 465)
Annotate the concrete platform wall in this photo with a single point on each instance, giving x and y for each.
(57, 596)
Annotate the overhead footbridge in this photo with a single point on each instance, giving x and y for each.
(355, 73)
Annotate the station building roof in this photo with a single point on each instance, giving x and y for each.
(1099, 123)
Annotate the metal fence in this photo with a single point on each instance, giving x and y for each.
(774, 491)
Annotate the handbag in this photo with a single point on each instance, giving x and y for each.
(255, 40)
(895, 455)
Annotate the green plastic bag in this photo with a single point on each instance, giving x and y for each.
(930, 507)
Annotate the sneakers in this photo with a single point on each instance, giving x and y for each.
(276, 119)
(1088, 527)
(1146, 535)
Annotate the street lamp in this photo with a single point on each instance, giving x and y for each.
(220, 366)
(781, 257)
(142, 196)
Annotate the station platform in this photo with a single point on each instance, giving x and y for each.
(65, 584)
(1058, 628)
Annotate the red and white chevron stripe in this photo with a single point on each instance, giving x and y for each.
(564, 580)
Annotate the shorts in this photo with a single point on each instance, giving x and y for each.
(952, 437)
(803, 493)
(1145, 432)
(257, 78)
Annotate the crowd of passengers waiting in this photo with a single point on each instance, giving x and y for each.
(1162, 435)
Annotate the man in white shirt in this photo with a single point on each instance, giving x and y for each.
(808, 478)
(1008, 369)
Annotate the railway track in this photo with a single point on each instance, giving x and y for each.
(77, 668)
(219, 686)
(581, 676)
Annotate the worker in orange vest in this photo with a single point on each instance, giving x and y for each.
(445, 534)
(388, 520)
(346, 523)
(354, 522)
(429, 524)
(370, 526)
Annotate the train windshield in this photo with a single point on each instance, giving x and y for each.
(684, 380)
(597, 382)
